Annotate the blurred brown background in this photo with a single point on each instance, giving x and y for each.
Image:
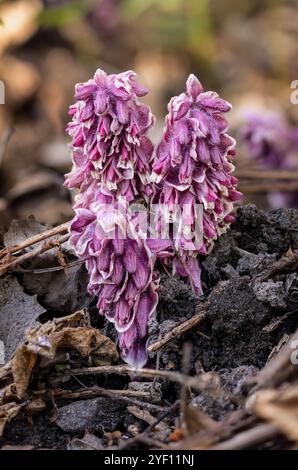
(247, 51)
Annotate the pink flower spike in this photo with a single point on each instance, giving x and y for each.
(108, 129)
(193, 165)
(190, 183)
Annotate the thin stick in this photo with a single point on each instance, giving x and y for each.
(151, 427)
(279, 369)
(178, 330)
(253, 188)
(247, 439)
(234, 422)
(283, 265)
(148, 373)
(5, 268)
(267, 174)
(35, 239)
(97, 391)
(52, 269)
(117, 395)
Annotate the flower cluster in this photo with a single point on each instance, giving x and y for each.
(120, 267)
(111, 162)
(113, 168)
(108, 130)
(266, 137)
(271, 142)
(193, 167)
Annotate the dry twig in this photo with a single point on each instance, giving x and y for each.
(192, 382)
(248, 439)
(34, 239)
(252, 188)
(98, 391)
(279, 369)
(127, 396)
(178, 330)
(261, 175)
(12, 263)
(144, 434)
(284, 265)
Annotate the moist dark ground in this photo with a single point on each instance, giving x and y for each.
(245, 321)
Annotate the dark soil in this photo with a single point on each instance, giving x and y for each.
(245, 320)
(235, 332)
(39, 432)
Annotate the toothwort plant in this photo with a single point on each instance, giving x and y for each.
(271, 142)
(193, 167)
(113, 170)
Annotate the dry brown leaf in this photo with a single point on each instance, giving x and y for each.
(79, 318)
(21, 366)
(88, 341)
(47, 338)
(71, 332)
(38, 337)
(279, 407)
(5, 371)
(7, 413)
(63, 333)
(8, 393)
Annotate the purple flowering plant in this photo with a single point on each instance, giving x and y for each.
(267, 138)
(270, 142)
(115, 172)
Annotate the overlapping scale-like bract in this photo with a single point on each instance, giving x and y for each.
(111, 163)
(108, 131)
(193, 170)
(112, 169)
